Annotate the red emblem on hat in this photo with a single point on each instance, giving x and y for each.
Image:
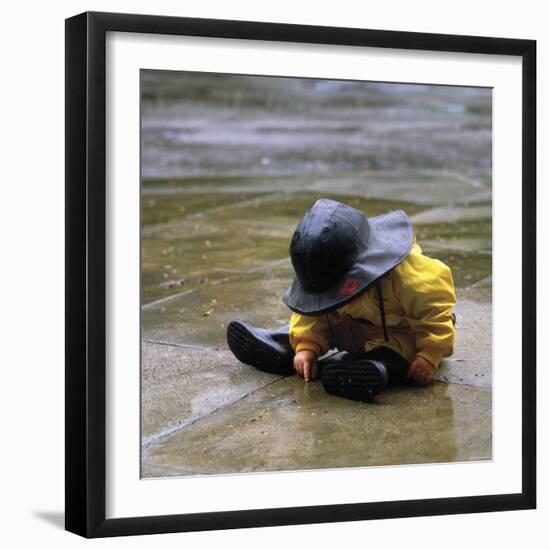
(351, 286)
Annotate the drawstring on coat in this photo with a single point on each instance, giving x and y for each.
(382, 312)
(380, 298)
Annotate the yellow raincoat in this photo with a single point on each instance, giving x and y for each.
(418, 296)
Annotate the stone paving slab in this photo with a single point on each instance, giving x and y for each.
(201, 316)
(291, 425)
(471, 363)
(180, 385)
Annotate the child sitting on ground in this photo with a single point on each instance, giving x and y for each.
(363, 287)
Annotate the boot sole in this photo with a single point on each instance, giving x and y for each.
(360, 381)
(251, 350)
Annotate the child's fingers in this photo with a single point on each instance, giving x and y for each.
(307, 371)
(412, 369)
(310, 370)
(314, 371)
(416, 371)
(430, 371)
(299, 367)
(423, 375)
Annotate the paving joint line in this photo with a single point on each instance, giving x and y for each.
(160, 437)
(184, 346)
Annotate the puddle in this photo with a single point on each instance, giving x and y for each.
(290, 425)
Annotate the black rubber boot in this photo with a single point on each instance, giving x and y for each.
(354, 378)
(267, 350)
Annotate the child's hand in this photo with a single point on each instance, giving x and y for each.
(305, 364)
(421, 371)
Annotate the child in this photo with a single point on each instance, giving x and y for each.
(364, 287)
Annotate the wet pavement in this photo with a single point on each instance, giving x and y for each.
(215, 248)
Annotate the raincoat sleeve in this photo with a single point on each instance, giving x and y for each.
(425, 289)
(309, 332)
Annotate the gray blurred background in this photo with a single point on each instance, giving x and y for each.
(197, 124)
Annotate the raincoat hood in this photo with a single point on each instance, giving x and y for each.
(338, 253)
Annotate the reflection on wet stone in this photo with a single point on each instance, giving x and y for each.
(289, 425)
(228, 171)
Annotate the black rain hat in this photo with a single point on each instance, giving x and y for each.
(337, 254)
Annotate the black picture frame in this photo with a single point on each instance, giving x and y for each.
(86, 273)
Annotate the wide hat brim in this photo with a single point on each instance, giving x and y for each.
(390, 242)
